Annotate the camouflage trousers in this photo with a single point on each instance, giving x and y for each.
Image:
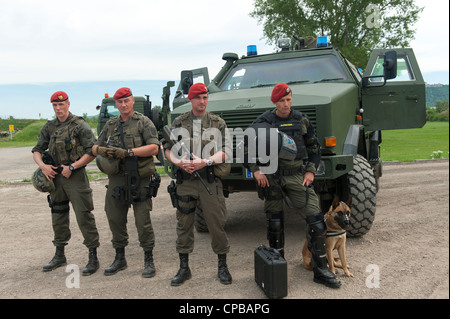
(214, 212)
(303, 199)
(77, 191)
(117, 210)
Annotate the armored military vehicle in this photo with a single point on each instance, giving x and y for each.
(349, 109)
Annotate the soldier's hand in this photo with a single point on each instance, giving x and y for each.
(308, 179)
(185, 164)
(112, 152)
(261, 179)
(49, 171)
(66, 172)
(197, 163)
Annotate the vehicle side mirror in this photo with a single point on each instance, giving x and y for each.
(390, 65)
(187, 79)
(389, 71)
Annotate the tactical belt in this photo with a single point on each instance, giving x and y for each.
(292, 171)
(119, 194)
(206, 173)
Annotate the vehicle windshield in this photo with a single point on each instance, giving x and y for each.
(313, 69)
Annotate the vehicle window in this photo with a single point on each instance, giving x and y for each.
(111, 110)
(404, 70)
(323, 68)
(198, 78)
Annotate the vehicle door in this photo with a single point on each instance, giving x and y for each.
(400, 103)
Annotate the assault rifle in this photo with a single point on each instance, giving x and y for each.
(48, 159)
(132, 195)
(169, 136)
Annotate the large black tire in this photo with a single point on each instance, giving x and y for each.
(363, 190)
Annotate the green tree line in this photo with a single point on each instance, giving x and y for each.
(356, 27)
(436, 94)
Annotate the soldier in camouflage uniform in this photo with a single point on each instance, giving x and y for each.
(69, 141)
(294, 179)
(189, 188)
(128, 138)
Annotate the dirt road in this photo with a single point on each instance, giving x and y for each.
(405, 254)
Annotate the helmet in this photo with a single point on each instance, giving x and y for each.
(41, 183)
(107, 165)
(286, 147)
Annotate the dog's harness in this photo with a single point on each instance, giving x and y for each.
(335, 233)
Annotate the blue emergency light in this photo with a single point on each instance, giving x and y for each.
(251, 50)
(322, 42)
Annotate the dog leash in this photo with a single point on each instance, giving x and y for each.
(306, 198)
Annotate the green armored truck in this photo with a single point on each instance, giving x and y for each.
(349, 109)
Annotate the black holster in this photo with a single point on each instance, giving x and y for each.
(155, 181)
(175, 198)
(172, 190)
(58, 207)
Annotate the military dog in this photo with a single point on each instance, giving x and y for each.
(337, 221)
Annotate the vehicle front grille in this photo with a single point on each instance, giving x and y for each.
(243, 119)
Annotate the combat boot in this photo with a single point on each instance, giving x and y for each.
(149, 267)
(119, 263)
(57, 261)
(223, 273)
(184, 273)
(93, 264)
(317, 230)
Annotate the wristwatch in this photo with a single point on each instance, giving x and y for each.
(71, 168)
(209, 162)
(130, 152)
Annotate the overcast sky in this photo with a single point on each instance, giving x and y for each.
(97, 40)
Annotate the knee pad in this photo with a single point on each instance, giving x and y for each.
(316, 224)
(275, 229)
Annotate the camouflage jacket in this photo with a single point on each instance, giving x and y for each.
(209, 120)
(136, 131)
(66, 141)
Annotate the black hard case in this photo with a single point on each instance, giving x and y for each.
(271, 272)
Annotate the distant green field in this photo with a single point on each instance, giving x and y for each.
(26, 136)
(409, 145)
(397, 145)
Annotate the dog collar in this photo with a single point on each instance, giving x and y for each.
(334, 233)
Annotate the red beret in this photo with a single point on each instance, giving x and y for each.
(121, 93)
(196, 89)
(59, 96)
(279, 91)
